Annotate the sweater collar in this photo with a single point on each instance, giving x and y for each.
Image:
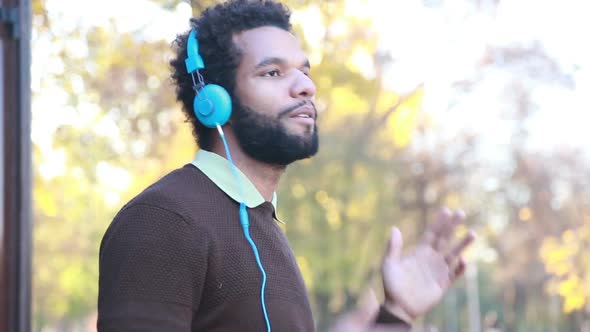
(218, 170)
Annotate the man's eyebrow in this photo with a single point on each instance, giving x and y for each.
(270, 61)
(278, 61)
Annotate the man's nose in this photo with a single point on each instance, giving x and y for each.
(303, 86)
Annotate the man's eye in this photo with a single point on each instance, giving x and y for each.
(272, 73)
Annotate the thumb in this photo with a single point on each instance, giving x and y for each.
(396, 242)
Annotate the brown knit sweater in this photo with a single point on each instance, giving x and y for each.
(175, 259)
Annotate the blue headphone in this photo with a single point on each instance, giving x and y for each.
(212, 104)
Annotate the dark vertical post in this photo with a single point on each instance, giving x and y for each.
(15, 166)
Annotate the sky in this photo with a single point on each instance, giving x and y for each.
(444, 44)
(433, 42)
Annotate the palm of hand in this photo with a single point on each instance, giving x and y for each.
(416, 281)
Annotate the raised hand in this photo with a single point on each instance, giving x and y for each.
(417, 281)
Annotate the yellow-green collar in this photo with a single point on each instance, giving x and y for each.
(218, 170)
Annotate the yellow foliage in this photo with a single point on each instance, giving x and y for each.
(556, 257)
(298, 190)
(573, 293)
(404, 120)
(323, 80)
(333, 219)
(354, 211)
(45, 201)
(305, 270)
(525, 214)
(561, 259)
(568, 286)
(387, 99)
(453, 201)
(322, 197)
(357, 210)
(344, 101)
(361, 61)
(573, 302)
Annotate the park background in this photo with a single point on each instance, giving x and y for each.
(475, 104)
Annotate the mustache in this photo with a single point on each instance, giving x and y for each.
(290, 109)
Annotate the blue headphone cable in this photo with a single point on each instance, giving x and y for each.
(245, 222)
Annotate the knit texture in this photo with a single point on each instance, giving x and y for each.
(175, 259)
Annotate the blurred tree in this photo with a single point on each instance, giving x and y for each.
(119, 116)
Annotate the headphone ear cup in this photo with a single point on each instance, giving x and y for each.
(212, 105)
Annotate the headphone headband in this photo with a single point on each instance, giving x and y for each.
(194, 61)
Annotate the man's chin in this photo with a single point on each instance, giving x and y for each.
(302, 146)
(302, 131)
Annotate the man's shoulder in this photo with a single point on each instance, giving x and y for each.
(179, 182)
(180, 192)
(171, 205)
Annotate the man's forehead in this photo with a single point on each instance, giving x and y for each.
(265, 42)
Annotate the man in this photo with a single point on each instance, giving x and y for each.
(175, 257)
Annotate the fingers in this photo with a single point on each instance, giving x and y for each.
(438, 234)
(447, 230)
(433, 230)
(460, 247)
(394, 247)
(457, 271)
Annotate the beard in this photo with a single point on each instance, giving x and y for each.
(267, 139)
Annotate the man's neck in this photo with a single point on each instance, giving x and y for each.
(265, 177)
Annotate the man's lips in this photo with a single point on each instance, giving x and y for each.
(303, 112)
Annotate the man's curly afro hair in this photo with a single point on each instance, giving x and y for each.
(216, 27)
